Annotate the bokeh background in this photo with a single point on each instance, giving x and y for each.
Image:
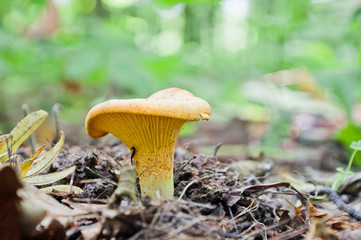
(292, 68)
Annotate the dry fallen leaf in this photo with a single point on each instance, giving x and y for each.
(45, 161)
(62, 188)
(18, 217)
(323, 225)
(23, 207)
(21, 132)
(31, 168)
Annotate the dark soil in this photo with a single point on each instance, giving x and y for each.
(215, 198)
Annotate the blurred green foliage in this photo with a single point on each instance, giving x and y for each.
(101, 49)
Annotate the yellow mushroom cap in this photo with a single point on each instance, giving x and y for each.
(172, 102)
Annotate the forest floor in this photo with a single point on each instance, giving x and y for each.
(218, 195)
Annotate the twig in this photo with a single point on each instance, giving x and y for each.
(259, 223)
(256, 232)
(281, 193)
(309, 181)
(71, 181)
(144, 231)
(56, 108)
(293, 233)
(9, 149)
(191, 183)
(216, 149)
(93, 173)
(31, 138)
(246, 210)
(89, 200)
(263, 187)
(335, 197)
(190, 224)
(93, 180)
(182, 167)
(231, 215)
(196, 204)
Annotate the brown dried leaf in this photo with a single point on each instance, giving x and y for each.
(18, 217)
(55, 231)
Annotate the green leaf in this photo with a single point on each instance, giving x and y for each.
(45, 161)
(340, 170)
(22, 131)
(356, 145)
(45, 179)
(62, 188)
(348, 136)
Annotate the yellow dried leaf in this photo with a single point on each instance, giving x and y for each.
(22, 131)
(62, 188)
(25, 166)
(45, 179)
(37, 153)
(3, 138)
(45, 161)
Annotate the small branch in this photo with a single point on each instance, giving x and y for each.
(56, 108)
(216, 149)
(93, 173)
(231, 216)
(191, 183)
(9, 149)
(31, 138)
(182, 167)
(335, 197)
(71, 181)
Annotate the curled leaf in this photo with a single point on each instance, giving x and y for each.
(22, 131)
(45, 161)
(3, 138)
(45, 179)
(37, 153)
(25, 166)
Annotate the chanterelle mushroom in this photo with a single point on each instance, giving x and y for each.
(149, 127)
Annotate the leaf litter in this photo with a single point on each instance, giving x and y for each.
(215, 198)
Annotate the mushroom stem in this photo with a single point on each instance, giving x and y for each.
(155, 171)
(154, 139)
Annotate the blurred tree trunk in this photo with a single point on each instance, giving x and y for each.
(192, 25)
(99, 9)
(209, 23)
